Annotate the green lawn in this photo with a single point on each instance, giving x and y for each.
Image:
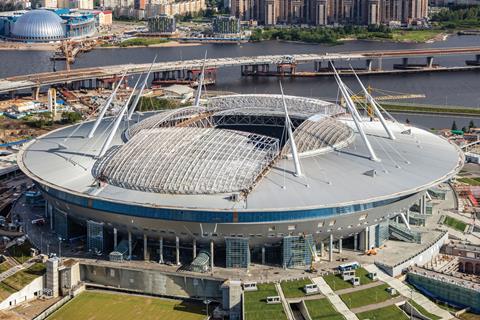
(322, 309)
(365, 297)
(5, 291)
(415, 35)
(140, 42)
(94, 305)
(455, 223)
(294, 289)
(387, 313)
(24, 277)
(4, 266)
(336, 283)
(423, 311)
(256, 306)
(21, 253)
(470, 181)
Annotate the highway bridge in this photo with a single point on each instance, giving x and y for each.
(90, 77)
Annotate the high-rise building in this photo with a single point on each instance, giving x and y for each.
(225, 25)
(163, 23)
(323, 12)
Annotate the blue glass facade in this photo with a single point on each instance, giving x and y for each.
(212, 216)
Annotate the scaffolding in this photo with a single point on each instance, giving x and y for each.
(297, 251)
(237, 252)
(95, 236)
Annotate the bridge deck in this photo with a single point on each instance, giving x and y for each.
(61, 77)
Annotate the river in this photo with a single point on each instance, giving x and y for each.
(450, 88)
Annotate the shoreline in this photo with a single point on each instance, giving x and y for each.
(170, 44)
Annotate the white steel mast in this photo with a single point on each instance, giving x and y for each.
(200, 83)
(293, 146)
(118, 120)
(105, 107)
(373, 103)
(139, 95)
(353, 111)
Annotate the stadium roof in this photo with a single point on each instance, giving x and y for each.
(188, 160)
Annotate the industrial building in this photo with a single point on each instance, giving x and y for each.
(328, 12)
(261, 178)
(226, 25)
(162, 24)
(46, 25)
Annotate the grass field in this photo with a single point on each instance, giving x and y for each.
(256, 307)
(415, 35)
(365, 297)
(134, 42)
(322, 309)
(423, 311)
(455, 223)
(470, 181)
(426, 109)
(294, 289)
(24, 277)
(336, 283)
(4, 266)
(387, 313)
(93, 305)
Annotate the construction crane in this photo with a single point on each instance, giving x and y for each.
(383, 95)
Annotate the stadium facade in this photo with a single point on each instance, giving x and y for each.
(223, 184)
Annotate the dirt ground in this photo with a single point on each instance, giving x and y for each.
(31, 309)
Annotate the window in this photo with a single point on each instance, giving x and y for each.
(291, 227)
(271, 228)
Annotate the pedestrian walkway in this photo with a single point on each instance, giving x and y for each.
(334, 299)
(379, 305)
(407, 292)
(10, 272)
(359, 288)
(286, 305)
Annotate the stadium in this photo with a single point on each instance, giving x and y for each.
(236, 179)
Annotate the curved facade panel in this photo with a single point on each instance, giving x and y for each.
(39, 26)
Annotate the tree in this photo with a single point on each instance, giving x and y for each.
(71, 117)
(407, 121)
(454, 125)
(471, 124)
(464, 129)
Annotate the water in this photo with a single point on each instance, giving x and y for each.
(451, 88)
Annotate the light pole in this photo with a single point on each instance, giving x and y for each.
(60, 247)
(207, 302)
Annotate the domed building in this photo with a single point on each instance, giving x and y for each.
(46, 25)
(39, 26)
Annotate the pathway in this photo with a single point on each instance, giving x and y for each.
(334, 299)
(359, 288)
(379, 305)
(10, 272)
(405, 291)
(286, 305)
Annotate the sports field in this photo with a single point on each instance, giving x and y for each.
(94, 305)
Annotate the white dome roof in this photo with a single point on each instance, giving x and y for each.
(39, 25)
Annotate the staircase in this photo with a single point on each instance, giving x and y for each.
(400, 232)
